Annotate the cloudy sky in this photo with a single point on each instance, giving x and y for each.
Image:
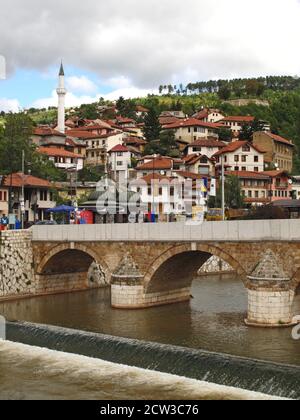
(130, 47)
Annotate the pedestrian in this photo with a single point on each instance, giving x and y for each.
(4, 222)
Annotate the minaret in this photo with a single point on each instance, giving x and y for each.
(61, 93)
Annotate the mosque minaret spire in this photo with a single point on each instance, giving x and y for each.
(61, 93)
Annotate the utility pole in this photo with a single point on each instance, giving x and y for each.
(223, 188)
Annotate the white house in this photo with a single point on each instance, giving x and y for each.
(241, 156)
(207, 147)
(119, 162)
(63, 159)
(210, 115)
(189, 130)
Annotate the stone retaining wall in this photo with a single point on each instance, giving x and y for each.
(16, 264)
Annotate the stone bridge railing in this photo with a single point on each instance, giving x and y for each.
(266, 230)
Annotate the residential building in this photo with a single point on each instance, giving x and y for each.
(279, 151)
(119, 163)
(236, 123)
(63, 159)
(209, 115)
(255, 187)
(46, 135)
(200, 164)
(281, 185)
(189, 130)
(99, 146)
(38, 196)
(160, 165)
(167, 197)
(241, 156)
(207, 147)
(136, 142)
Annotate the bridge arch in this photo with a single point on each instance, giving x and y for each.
(66, 266)
(178, 266)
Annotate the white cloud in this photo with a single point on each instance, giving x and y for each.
(73, 100)
(80, 84)
(9, 105)
(153, 42)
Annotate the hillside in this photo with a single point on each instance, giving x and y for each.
(281, 93)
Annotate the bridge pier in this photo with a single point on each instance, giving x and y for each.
(270, 298)
(128, 291)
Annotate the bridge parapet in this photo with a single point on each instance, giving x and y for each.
(241, 231)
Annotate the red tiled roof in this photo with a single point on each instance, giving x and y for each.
(201, 115)
(56, 152)
(141, 108)
(190, 175)
(134, 140)
(190, 122)
(235, 145)
(157, 163)
(40, 131)
(119, 148)
(239, 118)
(274, 173)
(209, 142)
(280, 139)
(124, 120)
(168, 120)
(81, 134)
(248, 174)
(154, 177)
(19, 179)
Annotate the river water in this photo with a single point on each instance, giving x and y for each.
(213, 320)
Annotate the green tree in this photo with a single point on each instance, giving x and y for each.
(15, 137)
(249, 129)
(91, 173)
(225, 134)
(152, 126)
(224, 93)
(234, 198)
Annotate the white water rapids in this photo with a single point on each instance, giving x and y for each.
(32, 373)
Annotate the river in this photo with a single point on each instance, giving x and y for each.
(213, 320)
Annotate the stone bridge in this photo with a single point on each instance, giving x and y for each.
(154, 264)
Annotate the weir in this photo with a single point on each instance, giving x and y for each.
(269, 378)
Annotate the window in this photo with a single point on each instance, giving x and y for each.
(172, 191)
(256, 194)
(244, 158)
(43, 195)
(119, 163)
(120, 154)
(256, 158)
(236, 168)
(246, 148)
(149, 191)
(250, 194)
(203, 170)
(160, 191)
(256, 169)
(236, 158)
(244, 168)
